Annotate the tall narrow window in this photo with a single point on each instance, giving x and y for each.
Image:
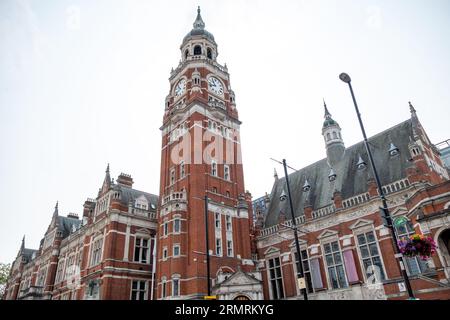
(214, 168)
(226, 172)
(172, 176)
(228, 223)
(229, 248)
(141, 250)
(164, 288)
(218, 246)
(175, 287)
(306, 269)
(335, 265)
(186, 54)
(368, 248)
(217, 221)
(182, 169)
(209, 53)
(176, 225)
(275, 278)
(165, 228)
(414, 264)
(164, 253)
(138, 290)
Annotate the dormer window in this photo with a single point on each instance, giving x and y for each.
(332, 176)
(393, 150)
(361, 164)
(197, 50)
(306, 186)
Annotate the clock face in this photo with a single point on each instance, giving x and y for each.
(180, 87)
(215, 85)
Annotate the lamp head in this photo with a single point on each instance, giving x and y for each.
(345, 77)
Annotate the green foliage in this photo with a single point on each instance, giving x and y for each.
(4, 273)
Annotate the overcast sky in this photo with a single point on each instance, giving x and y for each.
(83, 83)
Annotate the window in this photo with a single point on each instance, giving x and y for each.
(176, 225)
(175, 287)
(186, 54)
(334, 135)
(164, 288)
(218, 246)
(228, 223)
(142, 250)
(370, 256)
(328, 136)
(217, 220)
(59, 273)
(214, 168)
(176, 250)
(96, 252)
(164, 253)
(226, 172)
(414, 264)
(229, 248)
(275, 278)
(138, 290)
(70, 266)
(41, 277)
(306, 268)
(335, 265)
(228, 194)
(197, 50)
(182, 170)
(209, 53)
(172, 176)
(165, 228)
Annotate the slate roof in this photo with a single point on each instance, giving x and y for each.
(65, 224)
(350, 180)
(199, 30)
(129, 195)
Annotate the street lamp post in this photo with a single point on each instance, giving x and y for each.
(387, 219)
(300, 274)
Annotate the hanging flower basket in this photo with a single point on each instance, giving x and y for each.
(417, 245)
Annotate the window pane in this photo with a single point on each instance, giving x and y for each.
(341, 276)
(373, 249)
(134, 285)
(370, 236)
(327, 248)
(337, 258)
(364, 252)
(377, 263)
(335, 246)
(361, 239)
(329, 259)
(333, 278)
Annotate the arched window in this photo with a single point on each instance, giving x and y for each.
(334, 135)
(186, 53)
(197, 50)
(209, 53)
(328, 136)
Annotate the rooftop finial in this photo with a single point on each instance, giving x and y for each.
(327, 113)
(23, 243)
(275, 174)
(55, 213)
(198, 23)
(411, 109)
(107, 168)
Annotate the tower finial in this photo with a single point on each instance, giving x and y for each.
(327, 113)
(55, 213)
(198, 23)
(107, 168)
(23, 243)
(275, 174)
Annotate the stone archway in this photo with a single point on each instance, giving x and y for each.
(241, 297)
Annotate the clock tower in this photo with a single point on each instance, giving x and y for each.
(200, 156)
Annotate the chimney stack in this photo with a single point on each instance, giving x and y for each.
(125, 180)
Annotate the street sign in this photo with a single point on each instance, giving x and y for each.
(301, 283)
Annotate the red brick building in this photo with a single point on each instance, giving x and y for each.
(347, 252)
(200, 156)
(105, 255)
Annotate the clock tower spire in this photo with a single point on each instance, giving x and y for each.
(200, 156)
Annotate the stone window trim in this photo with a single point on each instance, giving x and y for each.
(364, 231)
(328, 241)
(137, 290)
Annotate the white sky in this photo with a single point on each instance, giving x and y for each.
(83, 83)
